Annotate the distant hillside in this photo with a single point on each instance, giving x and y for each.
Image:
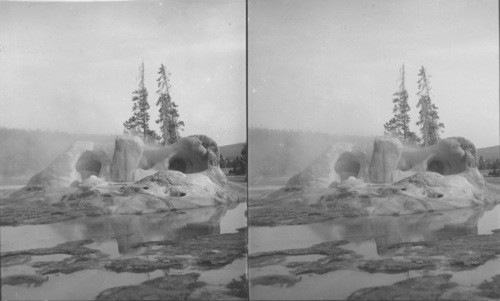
(489, 153)
(231, 151)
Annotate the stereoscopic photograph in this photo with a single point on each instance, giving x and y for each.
(373, 150)
(123, 150)
(249, 150)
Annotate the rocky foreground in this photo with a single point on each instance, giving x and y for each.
(201, 253)
(437, 258)
(438, 287)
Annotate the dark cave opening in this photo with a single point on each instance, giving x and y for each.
(177, 164)
(347, 166)
(88, 165)
(436, 166)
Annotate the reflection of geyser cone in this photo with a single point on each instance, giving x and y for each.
(457, 228)
(390, 230)
(191, 223)
(196, 230)
(425, 227)
(210, 227)
(127, 231)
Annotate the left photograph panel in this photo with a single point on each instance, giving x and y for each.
(123, 151)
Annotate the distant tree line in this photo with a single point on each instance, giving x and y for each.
(168, 120)
(428, 122)
(488, 164)
(238, 165)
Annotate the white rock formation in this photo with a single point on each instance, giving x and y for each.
(339, 162)
(128, 152)
(80, 161)
(385, 157)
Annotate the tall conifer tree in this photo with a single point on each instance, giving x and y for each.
(169, 116)
(399, 125)
(428, 115)
(138, 124)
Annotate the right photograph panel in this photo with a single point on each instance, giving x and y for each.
(373, 150)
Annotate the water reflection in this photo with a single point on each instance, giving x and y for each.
(377, 231)
(390, 230)
(368, 236)
(114, 234)
(131, 229)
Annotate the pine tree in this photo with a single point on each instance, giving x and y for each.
(243, 158)
(428, 116)
(399, 125)
(169, 116)
(138, 124)
(481, 163)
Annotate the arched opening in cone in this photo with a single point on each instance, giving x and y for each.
(178, 164)
(347, 166)
(88, 165)
(436, 166)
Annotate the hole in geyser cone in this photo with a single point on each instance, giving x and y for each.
(436, 166)
(88, 165)
(177, 164)
(177, 193)
(347, 166)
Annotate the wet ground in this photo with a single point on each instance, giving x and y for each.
(185, 254)
(333, 259)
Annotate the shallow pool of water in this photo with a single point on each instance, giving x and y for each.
(82, 285)
(112, 235)
(367, 236)
(489, 221)
(234, 219)
(336, 285)
(363, 232)
(17, 270)
(224, 275)
(339, 285)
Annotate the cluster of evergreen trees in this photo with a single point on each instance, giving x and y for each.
(399, 125)
(238, 165)
(168, 119)
(493, 164)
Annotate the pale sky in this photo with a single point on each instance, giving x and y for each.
(332, 66)
(73, 66)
